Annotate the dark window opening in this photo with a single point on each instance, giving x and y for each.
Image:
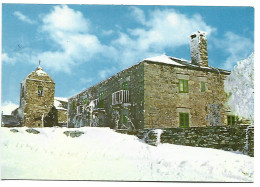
(184, 119)
(232, 120)
(79, 109)
(124, 119)
(100, 121)
(101, 100)
(40, 91)
(73, 105)
(85, 101)
(125, 86)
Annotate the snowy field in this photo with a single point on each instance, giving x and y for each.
(102, 154)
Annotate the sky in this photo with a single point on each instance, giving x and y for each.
(81, 45)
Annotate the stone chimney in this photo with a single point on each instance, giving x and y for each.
(198, 47)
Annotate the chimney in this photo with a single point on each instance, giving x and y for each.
(198, 47)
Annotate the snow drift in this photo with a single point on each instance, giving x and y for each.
(103, 154)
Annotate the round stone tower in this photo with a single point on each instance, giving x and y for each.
(36, 98)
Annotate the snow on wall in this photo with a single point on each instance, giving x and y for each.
(240, 84)
(198, 47)
(194, 46)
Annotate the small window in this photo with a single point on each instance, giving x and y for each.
(73, 105)
(124, 119)
(101, 100)
(100, 121)
(79, 110)
(85, 101)
(232, 120)
(184, 119)
(101, 95)
(40, 91)
(203, 86)
(125, 86)
(183, 86)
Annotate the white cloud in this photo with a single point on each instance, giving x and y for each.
(69, 30)
(236, 47)
(138, 14)
(63, 19)
(164, 29)
(108, 32)
(8, 107)
(71, 33)
(7, 59)
(22, 17)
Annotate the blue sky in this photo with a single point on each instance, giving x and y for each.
(81, 45)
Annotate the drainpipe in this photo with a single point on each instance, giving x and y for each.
(42, 120)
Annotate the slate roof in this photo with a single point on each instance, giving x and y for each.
(168, 60)
(183, 63)
(10, 121)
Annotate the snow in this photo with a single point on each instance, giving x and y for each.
(240, 83)
(64, 99)
(164, 59)
(58, 104)
(8, 107)
(103, 154)
(40, 72)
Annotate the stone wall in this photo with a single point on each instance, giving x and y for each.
(62, 117)
(237, 138)
(36, 106)
(163, 102)
(110, 115)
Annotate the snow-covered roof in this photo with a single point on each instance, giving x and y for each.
(199, 32)
(164, 59)
(39, 71)
(57, 103)
(184, 63)
(38, 75)
(9, 120)
(64, 99)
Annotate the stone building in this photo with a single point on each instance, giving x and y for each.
(38, 106)
(158, 92)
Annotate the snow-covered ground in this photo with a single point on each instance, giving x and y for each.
(102, 154)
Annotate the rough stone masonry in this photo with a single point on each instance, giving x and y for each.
(158, 92)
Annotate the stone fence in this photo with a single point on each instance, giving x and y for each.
(238, 138)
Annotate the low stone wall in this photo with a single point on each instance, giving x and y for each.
(238, 138)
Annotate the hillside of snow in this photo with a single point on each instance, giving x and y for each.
(103, 154)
